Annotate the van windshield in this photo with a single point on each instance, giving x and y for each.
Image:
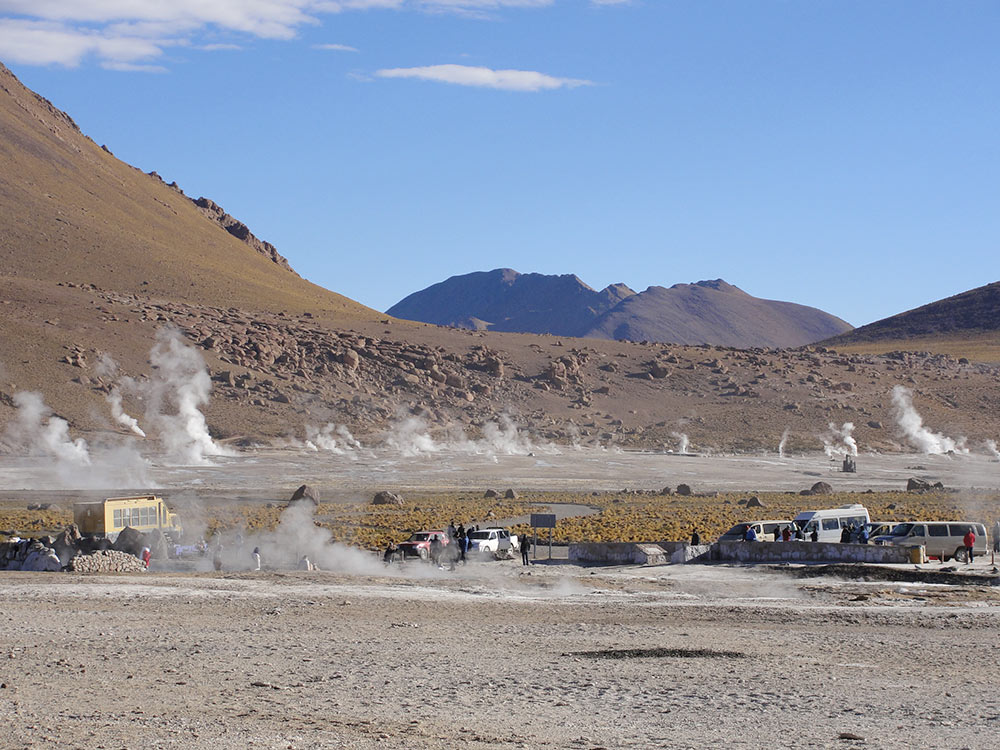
(901, 529)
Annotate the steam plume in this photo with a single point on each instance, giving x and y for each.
(115, 400)
(782, 443)
(36, 430)
(682, 441)
(991, 446)
(848, 446)
(912, 426)
(179, 388)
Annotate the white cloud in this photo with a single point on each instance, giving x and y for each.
(67, 32)
(466, 75)
(336, 47)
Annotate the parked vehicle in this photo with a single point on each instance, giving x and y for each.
(766, 531)
(419, 543)
(108, 517)
(495, 542)
(879, 528)
(941, 539)
(829, 523)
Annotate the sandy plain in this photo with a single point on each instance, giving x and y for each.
(495, 655)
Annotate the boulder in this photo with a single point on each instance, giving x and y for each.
(510, 495)
(755, 502)
(683, 489)
(157, 543)
(491, 494)
(41, 558)
(916, 485)
(130, 540)
(821, 488)
(666, 491)
(305, 492)
(387, 498)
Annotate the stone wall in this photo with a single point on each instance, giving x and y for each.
(617, 553)
(106, 561)
(809, 552)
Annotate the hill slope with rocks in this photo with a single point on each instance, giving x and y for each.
(97, 258)
(505, 300)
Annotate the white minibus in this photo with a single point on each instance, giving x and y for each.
(829, 523)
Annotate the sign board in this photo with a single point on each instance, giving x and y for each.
(543, 520)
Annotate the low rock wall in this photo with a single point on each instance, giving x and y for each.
(808, 552)
(617, 553)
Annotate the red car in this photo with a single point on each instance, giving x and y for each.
(419, 543)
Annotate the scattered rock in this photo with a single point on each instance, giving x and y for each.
(683, 489)
(491, 494)
(821, 488)
(305, 492)
(755, 502)
(913, 484)
(387, 498)
(510, 495)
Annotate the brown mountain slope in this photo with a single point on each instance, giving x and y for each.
(964, 325)
(96, 257)
(67, 204)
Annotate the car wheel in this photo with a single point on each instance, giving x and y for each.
(423, 554)
(960, 555)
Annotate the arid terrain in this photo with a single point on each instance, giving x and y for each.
(496, 655)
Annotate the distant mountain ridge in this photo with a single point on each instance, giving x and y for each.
(505, 300)
(706, 312)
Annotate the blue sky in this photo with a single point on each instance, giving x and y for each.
(829, 152)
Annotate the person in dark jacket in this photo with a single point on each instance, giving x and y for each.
(525, 547)
(695, 538)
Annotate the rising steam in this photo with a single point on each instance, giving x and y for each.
(179, 388)
(107, 367)
(840, 441)
(682, 441)
(38, 432)
(782, 443)
(912, 426)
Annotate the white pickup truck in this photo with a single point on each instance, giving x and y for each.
(496, 542)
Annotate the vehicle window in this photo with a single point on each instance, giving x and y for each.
(738, 530)
(917, 530)
(493, 535)
(770, 528)
(937, 529)
(901, 529)
(960, 529)
(856, 521)
(419, 537)
(831, 524)
(479, 535)
(504, 534)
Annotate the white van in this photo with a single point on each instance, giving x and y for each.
(766, 531)
(942, 539)
(830, 523)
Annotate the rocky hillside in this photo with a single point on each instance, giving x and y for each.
(97, 257)
(714, 312)
(708, 312)
(505, 300)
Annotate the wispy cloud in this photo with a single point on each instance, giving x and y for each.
(336, 47)
(134, 32)
(467, 75)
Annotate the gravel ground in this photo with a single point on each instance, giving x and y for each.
(495, 655)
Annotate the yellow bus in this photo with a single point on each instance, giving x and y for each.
(108, 517)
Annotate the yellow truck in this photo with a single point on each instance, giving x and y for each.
(108, 517)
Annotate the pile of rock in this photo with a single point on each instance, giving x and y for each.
(106, 561)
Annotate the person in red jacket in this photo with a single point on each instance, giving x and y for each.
(970, 542)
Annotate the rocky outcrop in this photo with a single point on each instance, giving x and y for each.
(240, 231)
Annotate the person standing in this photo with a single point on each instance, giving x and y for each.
(525, 548)
(970, 542)
(814, 536)
(695, 538)
(750, 535)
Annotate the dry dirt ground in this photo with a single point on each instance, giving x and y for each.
(495, 655)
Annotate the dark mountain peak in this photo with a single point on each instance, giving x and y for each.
(505, 300)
